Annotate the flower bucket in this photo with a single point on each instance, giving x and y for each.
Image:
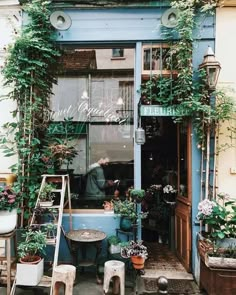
(8, 221)
(138, 262)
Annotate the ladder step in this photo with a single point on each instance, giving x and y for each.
(45, 281)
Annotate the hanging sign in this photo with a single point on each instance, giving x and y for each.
(162, 111)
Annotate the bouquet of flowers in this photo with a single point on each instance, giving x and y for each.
(9, 199)
(220, 215)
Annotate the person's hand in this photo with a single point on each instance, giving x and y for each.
(110, 182)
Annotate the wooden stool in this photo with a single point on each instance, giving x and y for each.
(114, 269)
(7, 237)
(63, 274)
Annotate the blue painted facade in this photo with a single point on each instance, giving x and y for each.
(134, 26)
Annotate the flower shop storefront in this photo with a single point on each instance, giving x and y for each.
(100, 89)
(118, 81)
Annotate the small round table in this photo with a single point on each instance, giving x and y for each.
(81, 238)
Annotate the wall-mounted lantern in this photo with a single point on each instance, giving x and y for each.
(212, 68)
(140, 137)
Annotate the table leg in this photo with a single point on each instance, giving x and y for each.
(8, 265)
(74, 253)
(98, 246)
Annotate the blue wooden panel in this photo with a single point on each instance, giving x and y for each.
(120, 24)
(113, 25)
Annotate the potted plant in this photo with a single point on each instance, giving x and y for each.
(221, 257)
(114, 244)
(9, 202)
(46, 195)
(128, 212)
(169, 194)
(62, 153)
(137, 195)
(137, 252)
(50, 230)
(108, 207)
(30, 269)
(220, 216)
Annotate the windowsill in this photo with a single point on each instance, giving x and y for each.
(118, 58)
(89, 211)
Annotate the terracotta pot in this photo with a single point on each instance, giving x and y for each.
(30, 259)
(138, 262)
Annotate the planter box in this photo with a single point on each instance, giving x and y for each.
(29, 274)
(220, 262)
(217, 281)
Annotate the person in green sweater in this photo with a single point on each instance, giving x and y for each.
(96, 182)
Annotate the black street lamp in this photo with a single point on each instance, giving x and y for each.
(212, 68)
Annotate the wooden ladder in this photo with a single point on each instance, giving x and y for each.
(64, 181)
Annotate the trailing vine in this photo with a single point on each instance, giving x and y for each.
(188, 89)
(30, 70)
(194, 96)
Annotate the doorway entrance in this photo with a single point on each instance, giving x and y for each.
(165, 176)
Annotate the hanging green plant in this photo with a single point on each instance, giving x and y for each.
(30, 71)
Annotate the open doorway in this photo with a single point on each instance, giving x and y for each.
(166, 173)
(159, 171)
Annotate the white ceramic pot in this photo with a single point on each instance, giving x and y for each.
(29, 274)
(8, 221)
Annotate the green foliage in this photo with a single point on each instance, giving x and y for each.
(113, 240)
(34, 244)
(46, 193)
(188, 88)
(30, 70)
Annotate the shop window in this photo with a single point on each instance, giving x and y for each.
(117, 52)
(98, 94)
(158, 59)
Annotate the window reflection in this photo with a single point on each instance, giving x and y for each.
(97, 92)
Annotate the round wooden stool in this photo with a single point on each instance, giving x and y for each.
(114, 269)
(63, 275)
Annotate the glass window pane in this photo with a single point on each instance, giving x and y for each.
(98, 94)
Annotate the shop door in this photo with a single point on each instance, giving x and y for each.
(183, 201)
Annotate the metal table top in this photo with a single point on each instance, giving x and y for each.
(86, 235)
